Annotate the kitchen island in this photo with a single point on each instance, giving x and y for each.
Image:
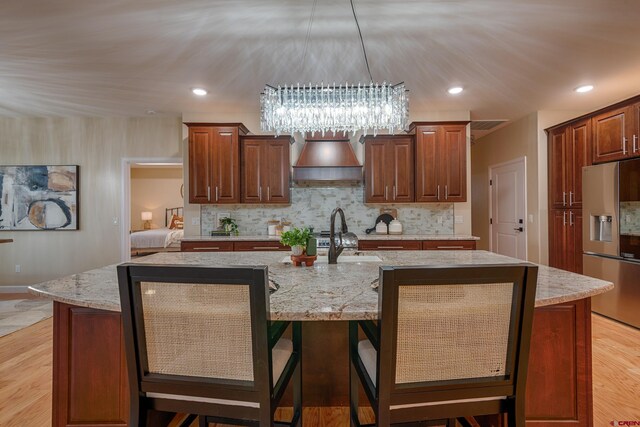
(90, 384)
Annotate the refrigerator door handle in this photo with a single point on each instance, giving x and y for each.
(564, 198)
(564, 218)
(571, 219)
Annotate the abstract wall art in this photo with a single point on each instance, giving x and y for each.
(38, 197)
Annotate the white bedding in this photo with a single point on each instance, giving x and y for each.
(156, 238)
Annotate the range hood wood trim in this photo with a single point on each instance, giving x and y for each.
(327, 173)
(327, 154)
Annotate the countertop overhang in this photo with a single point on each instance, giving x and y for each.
(321, 292)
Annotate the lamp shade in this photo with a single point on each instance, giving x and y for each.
(146, 216)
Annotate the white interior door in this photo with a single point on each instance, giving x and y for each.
(508, 209)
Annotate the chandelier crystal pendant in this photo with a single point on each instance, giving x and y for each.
(343, 108)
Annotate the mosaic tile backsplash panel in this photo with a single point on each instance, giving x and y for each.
(630, 218)
(312, 207)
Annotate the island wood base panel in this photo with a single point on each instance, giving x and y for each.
(90, 382)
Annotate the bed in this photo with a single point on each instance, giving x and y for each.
(166, 239)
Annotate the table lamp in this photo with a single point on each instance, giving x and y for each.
(146, 217)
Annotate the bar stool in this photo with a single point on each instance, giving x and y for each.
(198, 340)
(450, 343)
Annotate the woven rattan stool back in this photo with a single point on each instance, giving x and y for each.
(197, 329)
(455, 324)
(448, 332)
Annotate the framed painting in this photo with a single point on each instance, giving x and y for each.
(39, 198)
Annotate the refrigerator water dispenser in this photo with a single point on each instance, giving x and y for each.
(601, 228)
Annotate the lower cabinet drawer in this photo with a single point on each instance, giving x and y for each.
(453, 245)
(206, 246)
(390, 245)
(259, 246)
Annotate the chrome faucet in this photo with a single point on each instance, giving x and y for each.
(334, 251)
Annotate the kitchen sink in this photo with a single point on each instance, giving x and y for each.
(343, 259)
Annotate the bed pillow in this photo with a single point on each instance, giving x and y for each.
(177, 222)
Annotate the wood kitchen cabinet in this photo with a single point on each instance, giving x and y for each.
(265, 167)
(229, 246)
(569, 152)
(389, 169)
(214, 162)
(615, 134)
(440, 161)
(415, 245)
(565, 243)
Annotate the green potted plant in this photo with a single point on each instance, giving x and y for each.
(229, 225)
(297, 238)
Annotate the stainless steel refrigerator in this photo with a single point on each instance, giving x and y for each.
(611, 236)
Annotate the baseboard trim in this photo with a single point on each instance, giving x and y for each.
(14, 289)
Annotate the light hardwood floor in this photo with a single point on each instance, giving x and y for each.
(25, 378)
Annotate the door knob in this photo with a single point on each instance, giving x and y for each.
(520, 229)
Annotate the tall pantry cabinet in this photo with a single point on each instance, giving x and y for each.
(569, 151)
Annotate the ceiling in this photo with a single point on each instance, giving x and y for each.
(124, 57)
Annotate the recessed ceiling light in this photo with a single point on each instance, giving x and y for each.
(583, 89)
(199, 91)
(151, 112)
(455, 90)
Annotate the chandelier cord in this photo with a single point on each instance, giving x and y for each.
(364, 51)
(308, 38)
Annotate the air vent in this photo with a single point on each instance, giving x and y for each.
(486, 124)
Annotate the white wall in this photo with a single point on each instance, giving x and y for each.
(97, 145)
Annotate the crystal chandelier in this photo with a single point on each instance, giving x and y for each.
(343, 108)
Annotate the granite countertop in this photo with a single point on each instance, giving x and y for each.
(361, 236)
(321, 292)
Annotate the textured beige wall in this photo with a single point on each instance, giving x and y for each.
(154, 190)
(97, 145)
(509, 143)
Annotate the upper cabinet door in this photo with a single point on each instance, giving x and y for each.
(427, 164)
(376, 163)
(252, 162)
(579, 156)
(453, 163)
(265, 170)
(401, 174)
(276, 171)
(226, 162)
(612, 132)
(200, 167)
(558, 168)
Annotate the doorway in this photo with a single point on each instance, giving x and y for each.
(508, 208)
(126, 222)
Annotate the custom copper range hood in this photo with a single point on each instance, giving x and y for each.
(327, 159)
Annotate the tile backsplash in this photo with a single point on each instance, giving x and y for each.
(312, 207)
(630, 218)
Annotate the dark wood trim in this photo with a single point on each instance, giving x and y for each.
(242, 129)
(414, 125)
